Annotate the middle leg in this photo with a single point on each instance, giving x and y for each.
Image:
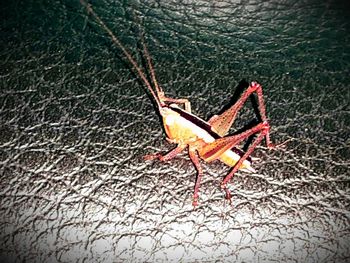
(195, 160)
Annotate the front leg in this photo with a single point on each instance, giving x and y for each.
(168, 156)
(185, 102)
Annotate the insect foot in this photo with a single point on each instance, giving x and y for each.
(150, 157)
(195, 201)
(228, 195)
(279, 146)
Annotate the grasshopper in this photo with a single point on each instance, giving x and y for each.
(206, 140)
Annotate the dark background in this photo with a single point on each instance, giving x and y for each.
(75, 123)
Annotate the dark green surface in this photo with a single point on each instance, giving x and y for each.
(75, 123)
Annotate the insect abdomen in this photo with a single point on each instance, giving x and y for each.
(230, 158)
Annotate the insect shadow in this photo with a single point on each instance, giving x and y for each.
(240, 88)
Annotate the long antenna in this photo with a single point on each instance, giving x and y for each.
(126, 53)
(151, 69)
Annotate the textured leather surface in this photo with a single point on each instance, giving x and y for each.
(75, 123)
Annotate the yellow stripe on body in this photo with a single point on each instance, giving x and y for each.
(230, 158)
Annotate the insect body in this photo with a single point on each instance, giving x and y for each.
(206, 140)
(184, 128)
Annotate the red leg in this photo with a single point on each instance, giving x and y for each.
(185, 102)
(222, 123)
(168, 156)
(195, 161)
(214, 150)
(262, 110)
(256, 142)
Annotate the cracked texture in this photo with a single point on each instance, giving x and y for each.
(75, 123)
